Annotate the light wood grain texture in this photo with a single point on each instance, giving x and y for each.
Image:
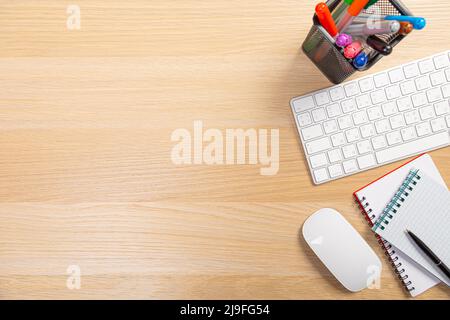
(85, 171)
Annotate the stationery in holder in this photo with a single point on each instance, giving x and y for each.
(373, 199)
(422, 206)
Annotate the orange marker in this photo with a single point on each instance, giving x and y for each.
(347, 17)
(405, 28)
(324, 16)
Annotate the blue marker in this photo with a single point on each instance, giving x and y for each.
(360, 61)
(417, 22)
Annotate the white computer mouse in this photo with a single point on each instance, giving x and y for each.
(342, 249)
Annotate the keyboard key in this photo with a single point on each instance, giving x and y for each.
(367, 130)
(349, 151)
(345, 122)
(411, 70)
(352, 134)
(366, 161)
(379, 96)
(441, 61)
(447, 119)
(447, 74)
(350, 166)
(360, 117)
(366, 84)
(397, 121)
(389, 108)
(419, 99)
(348, 105)
(446, 90)
(412, 117)
(333, 110)
(437, 78)
(393, 137)
(408, 133)
(351, 89)
(396, 75)
(335, 170)
(318, 145)
(423, 83)
(304, 119)
(407, 87)
(334, 155)
(442, 107)
(404, 104)
(426, 112)
(393, 92)
(303, 104)
(382, 125)
(426, 66)
(337, 93)
(378, 142)
(322, 98)
(330, 126)
(374, 113)
(381, 80)
(412, 147)
(318, 160)
(312, 132)
(321, 175)
(423, 129)
(319, 114)
(338, 139)
(364, 146)
(363, 101)
(434, 95)
(438, 124)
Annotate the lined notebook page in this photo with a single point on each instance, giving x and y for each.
(426, 212)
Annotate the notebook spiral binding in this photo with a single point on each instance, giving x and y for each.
(366, 211)
(396, 202)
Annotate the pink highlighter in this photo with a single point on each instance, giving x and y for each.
(352, 49)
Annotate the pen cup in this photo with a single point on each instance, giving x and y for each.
(319, 47)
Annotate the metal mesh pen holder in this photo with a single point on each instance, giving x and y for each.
(322, 51)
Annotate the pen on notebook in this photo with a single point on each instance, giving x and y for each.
(429, 254)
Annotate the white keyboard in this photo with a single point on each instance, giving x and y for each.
(375, 120)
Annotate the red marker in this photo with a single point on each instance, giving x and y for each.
(352, 49)
(324, 16)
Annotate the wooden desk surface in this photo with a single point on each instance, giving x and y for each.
(86, 176)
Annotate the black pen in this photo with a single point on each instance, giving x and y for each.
(430, 254)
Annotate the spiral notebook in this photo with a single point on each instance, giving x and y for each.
(373, 199)
(422, 206)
